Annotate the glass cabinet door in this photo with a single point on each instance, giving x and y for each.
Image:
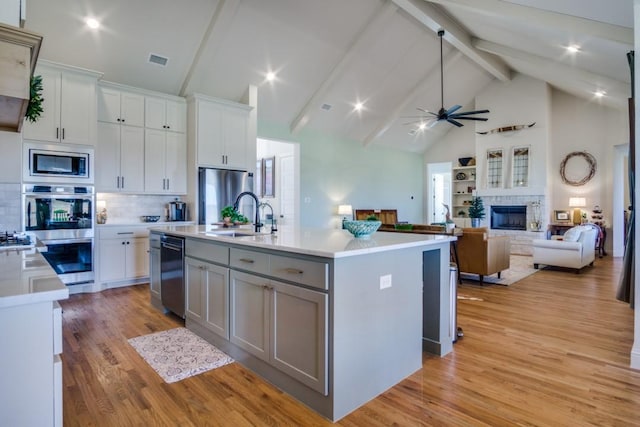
(494, 168)
(520, 172)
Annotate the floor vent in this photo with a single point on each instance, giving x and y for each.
(158, 60)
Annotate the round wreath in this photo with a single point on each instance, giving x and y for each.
(588, 158)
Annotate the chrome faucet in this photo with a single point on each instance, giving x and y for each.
(274, 227)
(257, 224)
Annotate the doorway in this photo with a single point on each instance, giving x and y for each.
(438, 191)
(621, 199)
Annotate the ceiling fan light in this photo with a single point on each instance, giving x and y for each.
(600, 93)
(573, 48)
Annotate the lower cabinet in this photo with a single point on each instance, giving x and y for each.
(207, 295)
(283, 324)
(123, 258)
(154, 268)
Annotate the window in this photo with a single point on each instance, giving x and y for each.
(520, 167)
(494, 168)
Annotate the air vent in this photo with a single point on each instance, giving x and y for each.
(158, 60)
(325, 107)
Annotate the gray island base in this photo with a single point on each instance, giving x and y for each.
(331, 320)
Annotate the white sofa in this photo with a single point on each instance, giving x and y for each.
(576, 249)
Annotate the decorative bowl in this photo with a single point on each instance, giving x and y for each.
(464, 161)
(360, 228)
(150, 218)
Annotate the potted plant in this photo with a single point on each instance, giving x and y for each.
(34, 108)
(476, 211)
(230, 216)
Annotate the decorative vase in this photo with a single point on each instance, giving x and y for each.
(475, 222)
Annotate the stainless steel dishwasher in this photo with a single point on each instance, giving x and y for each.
(172, 274)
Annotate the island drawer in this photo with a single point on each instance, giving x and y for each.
(249, 260)
(311, 273)
(207, 251)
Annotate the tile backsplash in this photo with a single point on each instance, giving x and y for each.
(126, 208)
(10, 203)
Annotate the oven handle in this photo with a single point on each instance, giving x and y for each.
(65, 241)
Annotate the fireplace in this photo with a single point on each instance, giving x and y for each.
(512, 217)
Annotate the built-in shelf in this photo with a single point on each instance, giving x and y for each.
(463, 184)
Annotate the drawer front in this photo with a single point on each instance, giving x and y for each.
(123, 232)
(207, 251)
(310, 273)
(249, 260)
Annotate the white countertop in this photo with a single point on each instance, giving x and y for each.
(125, 223)
(329, 243)
(28, 278)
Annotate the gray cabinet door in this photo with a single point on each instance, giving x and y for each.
(299, 334)
(216, 297)
(154, 280)
(249, 308)
(194, 278)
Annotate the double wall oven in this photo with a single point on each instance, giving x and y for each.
(61, 216)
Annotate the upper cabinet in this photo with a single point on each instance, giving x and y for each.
(69, 106)
(221, 133)
(122, 107)
(165, 114)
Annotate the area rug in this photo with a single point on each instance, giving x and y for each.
(520, 266)
(178, 353)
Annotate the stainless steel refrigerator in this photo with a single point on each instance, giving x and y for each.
(219, 188)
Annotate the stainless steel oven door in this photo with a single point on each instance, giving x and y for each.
(72, 259)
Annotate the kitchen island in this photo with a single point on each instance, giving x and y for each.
(330, 319)
(31, 337)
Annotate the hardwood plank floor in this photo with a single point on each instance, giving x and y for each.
(551, 350)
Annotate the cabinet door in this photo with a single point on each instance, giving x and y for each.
(108, 157)
(131, 109)
(108, 105)
(137, 259)
(216, 296)
(154, 113)
(77, 109)
(194, 295)
(154, 161)
(175, 116)
(131, 159)
(249, 309)
(154, 267)
(299, 334)
(209, 135)
(47, 128)
(234, 135)
(176, 163)
(111, 259)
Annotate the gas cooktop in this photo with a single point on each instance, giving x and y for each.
(15, 240)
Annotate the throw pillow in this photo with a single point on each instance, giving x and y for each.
(572, 234)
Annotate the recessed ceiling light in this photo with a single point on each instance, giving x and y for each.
(358, 106)
(573, 48)
(271, 76)
(600, 93)
(92, 23)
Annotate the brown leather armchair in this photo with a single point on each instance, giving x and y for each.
(482, 255)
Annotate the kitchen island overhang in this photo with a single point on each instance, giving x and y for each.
(372, 327)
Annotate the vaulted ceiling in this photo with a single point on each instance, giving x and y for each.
(383, 53)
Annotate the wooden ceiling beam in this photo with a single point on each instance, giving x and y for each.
(435, 19)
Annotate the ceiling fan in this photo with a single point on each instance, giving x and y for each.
(449, 115)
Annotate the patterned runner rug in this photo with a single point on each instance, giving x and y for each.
(178, 353)
(520, 266)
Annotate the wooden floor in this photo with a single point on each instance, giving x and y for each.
(552, 350)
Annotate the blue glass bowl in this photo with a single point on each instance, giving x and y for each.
(360, 228)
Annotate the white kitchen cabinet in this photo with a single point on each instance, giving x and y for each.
(221, 133)
(119, 154)
(123, 254)
(165, 162)
(165, 114)
(154, 269)
(121, 107)
(207, 290)
(69, 106)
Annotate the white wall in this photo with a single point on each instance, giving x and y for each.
(635, 351)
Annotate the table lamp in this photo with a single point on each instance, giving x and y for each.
(577, 203)
(345, 210)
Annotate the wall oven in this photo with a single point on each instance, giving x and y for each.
(57, 164)
(62, 218)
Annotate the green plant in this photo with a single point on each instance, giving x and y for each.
(233, 214)
(34, 108)
(461, 213)
(476, 209)
(372, 218)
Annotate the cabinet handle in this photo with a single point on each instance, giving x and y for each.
(168, 184)
(128, 243)
(117, 182)
(62, 133)
(201, 267)
(293, 271)
(122, 120)
(123, 182)
(168, 127)
(118, 120)
(125, 232)
(57, 133)
(164, 184)
(247, 260)
(122, 243)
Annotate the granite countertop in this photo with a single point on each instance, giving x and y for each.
(329, 243)
(27, 278)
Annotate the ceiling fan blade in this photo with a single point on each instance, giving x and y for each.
(466, 113)
(453, 122)
(413, 122)
(426, 111)
(480, 119)
(453, 109)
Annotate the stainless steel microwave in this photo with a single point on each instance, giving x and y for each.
(54, 163)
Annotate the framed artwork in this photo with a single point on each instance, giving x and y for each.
(258, 178)
(561, 216)
(268, 177)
